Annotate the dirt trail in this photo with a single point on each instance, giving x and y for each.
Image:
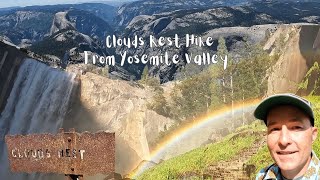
(234, 168)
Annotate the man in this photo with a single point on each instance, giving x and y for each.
(290, 134)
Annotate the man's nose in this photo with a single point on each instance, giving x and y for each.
(285, 138)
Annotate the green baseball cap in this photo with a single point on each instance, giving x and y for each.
(268, 103)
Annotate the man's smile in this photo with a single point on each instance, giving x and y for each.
(286, 152)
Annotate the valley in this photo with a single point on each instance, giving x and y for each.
(176, 81)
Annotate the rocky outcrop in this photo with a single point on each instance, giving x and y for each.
(28, 25)
(316, 43)
(11, 59)
(294, 45)
(25, 24)
(118, 106)
(61, 21)
(90, 24)
(82, 21)
(69, 42)
(154, 125)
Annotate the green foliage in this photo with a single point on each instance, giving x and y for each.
(222, 48)
(215, 87)
(159, 104)
(261, 160)
(280, 44)
(303, 85)
(147, 80)
(154, 83)
(145, 74)
(199, 159)
(311, 82)
(255, 125)
(102, 71)
(189, 70)
(249, 75)
(191, 97)
(315, 101)
(200, 92)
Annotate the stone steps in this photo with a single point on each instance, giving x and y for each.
(233, 169)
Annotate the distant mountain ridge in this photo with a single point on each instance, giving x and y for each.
(128, 11)
(34, 26)
(104, 11)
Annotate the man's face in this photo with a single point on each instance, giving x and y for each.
(290, 137)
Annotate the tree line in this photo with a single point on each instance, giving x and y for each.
(214, 87)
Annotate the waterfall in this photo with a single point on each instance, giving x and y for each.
(37, 104)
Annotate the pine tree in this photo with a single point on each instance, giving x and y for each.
(222, 47)
(145, 74)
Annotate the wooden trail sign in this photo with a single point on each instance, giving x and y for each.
(65, 153)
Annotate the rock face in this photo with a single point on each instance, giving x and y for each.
(155, 124)
(60, 21)
(28, 25)
(114, 105)
(297, 54)
(89, 24)
(162, 21)
(23, 24)
(82, 21)
(67, 46)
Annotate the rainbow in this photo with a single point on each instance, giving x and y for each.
(186, 129)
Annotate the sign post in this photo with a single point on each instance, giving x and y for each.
(68, 153)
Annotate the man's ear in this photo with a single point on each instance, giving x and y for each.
(314, 133)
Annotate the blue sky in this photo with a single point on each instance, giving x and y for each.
(10, 3)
